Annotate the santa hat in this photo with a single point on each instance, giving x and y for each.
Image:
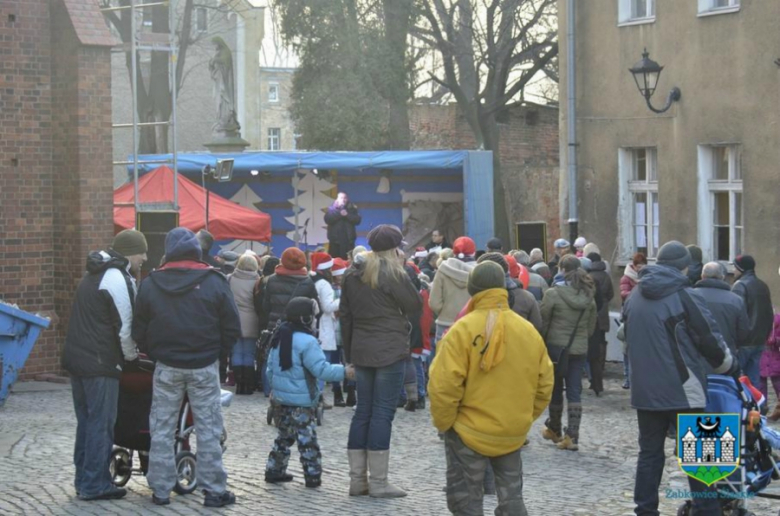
(420, 252)
(321, 261)
(463, 247)
(339, 267)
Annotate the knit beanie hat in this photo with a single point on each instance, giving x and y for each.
(495, 258)
(321, 261)
(594, 257)
(270, 266)
(695, 252)
(494, 244)
(674, 254)
(586, 263)
(385, 237)
(299, 308)
(463, 247)
(129, 242)
(744, 263)
(514, 267)
(561, 243)
(293, 259)
(484, 276)
(182, 244)
(580, 242)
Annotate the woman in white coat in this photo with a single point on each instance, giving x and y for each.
(321, 266)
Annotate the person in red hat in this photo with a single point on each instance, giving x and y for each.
(290, 279)
(449, 289)
(340, 266)
(322, 274)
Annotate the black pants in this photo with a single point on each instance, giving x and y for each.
(596, 352)
(340, 249)
(650, 465)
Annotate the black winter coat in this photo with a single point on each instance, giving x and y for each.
(728, 310)
(184, 317)
(341, 229)
(758, 301)
(603, 282)
(375, 328)
(278, 291)
(92, 345)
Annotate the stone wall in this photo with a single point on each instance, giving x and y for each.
(55, 159)
(528, 153)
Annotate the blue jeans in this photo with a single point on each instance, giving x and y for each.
(749, 358)
(418, 365)
(573, 381)
(440, 329)
(95, 401)
(653, 426)
(378, 390)
(244, 352)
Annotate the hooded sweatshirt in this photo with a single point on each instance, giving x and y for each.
(449, 290)
(185, 315)
(671, 332)
(490, 393)
(561, 308)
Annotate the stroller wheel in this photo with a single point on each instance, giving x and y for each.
(320, 413)
(269, 416)
(120, 467)
(186, 467)
(684, 509)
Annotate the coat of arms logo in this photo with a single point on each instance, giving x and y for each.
(708, 445)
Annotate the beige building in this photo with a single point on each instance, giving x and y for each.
(706, 170)
(276, 126)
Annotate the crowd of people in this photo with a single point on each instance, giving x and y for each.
(490, 338)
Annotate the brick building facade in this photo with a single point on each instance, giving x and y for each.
(55, 157)
(529, 156)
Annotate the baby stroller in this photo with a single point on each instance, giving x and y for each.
(131, 432)
(757, 466)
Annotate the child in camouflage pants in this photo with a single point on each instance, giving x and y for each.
(295, 363)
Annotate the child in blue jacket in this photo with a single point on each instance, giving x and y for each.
(295, 363)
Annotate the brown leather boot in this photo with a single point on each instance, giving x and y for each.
(776, 414)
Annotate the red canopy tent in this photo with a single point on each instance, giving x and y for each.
(227, 220)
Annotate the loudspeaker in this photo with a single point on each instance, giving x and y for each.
(530, 235)
(155, 225)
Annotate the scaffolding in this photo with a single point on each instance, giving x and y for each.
(150, 42)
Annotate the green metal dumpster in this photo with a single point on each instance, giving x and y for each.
(18, 332)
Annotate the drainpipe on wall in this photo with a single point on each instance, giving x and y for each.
(571, 122)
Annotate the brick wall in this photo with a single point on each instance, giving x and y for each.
(528, 150)
(55, 159)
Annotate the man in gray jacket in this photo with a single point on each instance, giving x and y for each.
(727, 308)
(671, 332)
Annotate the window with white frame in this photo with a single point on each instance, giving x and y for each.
(146, 15)
(639, 217)
(720, 201)
(273, 92)
(630, 11)
(202, 19)
(718, 6)
(274, 138)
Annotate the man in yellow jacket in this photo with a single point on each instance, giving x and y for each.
(490, 380)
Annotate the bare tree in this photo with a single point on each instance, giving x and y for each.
(489, 51)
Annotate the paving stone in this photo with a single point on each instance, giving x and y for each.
(36, 472)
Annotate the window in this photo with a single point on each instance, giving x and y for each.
(639, 214)
(273, 92)
(636, 11)
(718, 6)
(202, 19)
(274, 138)
(720, 201)
(147, 16)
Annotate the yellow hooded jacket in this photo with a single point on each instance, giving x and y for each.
(491, 378)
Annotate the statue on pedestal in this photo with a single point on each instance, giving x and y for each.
(221, 68)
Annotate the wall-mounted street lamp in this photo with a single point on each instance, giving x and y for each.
(646, 74)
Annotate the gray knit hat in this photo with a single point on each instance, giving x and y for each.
(484, 276)
(130, 242)
(674, 254)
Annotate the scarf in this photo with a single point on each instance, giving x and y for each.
(283, 338)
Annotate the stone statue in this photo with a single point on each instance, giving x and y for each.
(221, 68)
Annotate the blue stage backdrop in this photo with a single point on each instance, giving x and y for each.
(381, 184)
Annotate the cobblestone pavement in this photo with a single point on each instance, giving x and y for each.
(36, 474)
